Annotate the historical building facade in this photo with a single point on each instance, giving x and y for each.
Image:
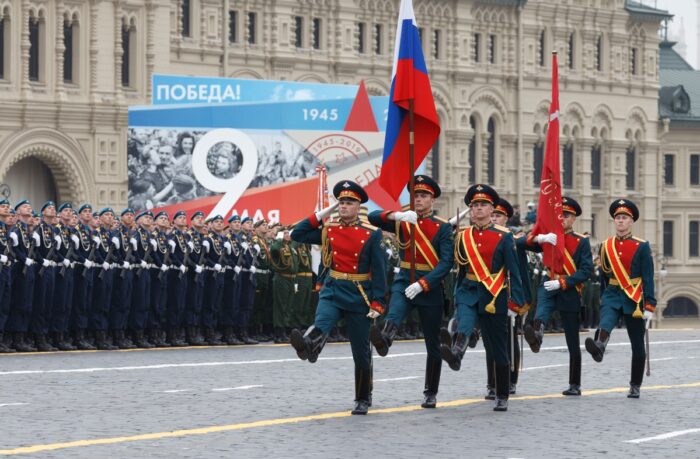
(70, 69)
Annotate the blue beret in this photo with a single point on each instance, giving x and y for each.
(144, 213)
(234, 218)
(199, 213)
(85, 206)
(35, 215)
(179, 213)
(21, 203)
(161, 214)
(12, 212)
(246, 220)
(104, 211)
(48, 204)
(216, 217)
(95, 214)
(65, 205)
(4, 202)
(127, 211)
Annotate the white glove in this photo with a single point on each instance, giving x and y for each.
(257, 249)
(183, 269)
(171, 243)
(37, 239)
(96, 240)
(237, 269)
(253, 269)
(163, 268)
(126, 265)
(409, 216)
(105, 265)
(205, 244)
(198, 269)
(153, 243)
(227, 246)
(244, 245)
(3, 259)
(133, 243)
(413, 290)
(217, 267)
(372, 314)
(76, 241)
(190, 244)
(46, 263)
(66, 262)
(323, 213)
(397, 270)
(549, 238)
(116, 243)
(29, 261)
(536, 271)
(552, 285)
(88, 264)
(15, 241)
(648, 315)
(280, 236)
(143, 264)
(389, 252)
(512, 314)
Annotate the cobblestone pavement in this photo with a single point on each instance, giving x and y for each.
(260, 401)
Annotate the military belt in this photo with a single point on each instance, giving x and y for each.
(305, 274)
(287, 276)
(262, 271)
(350, 276)
(634, 281)
(554, 276)
(419, 266)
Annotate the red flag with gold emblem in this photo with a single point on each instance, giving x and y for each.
(550, 217)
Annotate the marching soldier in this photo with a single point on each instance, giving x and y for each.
(487, 258)
(82, 292)
(177, 278)
(433, 261)
(123, 281)
(354, 280)
(627, 283)
(6, 260)
(195, 285)
(285, 264)
(562, 291)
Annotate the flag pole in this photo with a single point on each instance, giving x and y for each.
(411, 184)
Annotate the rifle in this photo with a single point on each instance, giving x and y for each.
(108, 259)
(221, 259)
(146, 257)
(166, 260)
(49, 256)
(199, 262)
(129, 256)
(90, 257)
(185, 261)
(69, 255)
(30, 254)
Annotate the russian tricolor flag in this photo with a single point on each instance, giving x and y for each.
(409, 80)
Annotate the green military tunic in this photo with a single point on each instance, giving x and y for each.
(262, 309)
(302, 310)
(284, 260)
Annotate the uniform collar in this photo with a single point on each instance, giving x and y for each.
(426, 215)
(481, 228)
(622, 238)
(354, 222)
(569, 231)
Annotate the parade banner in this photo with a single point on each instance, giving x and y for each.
(254, 159)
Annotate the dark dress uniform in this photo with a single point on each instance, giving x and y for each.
(302, 310)
(353, 281)
(627, 283)
(177, 285)
(246, 283)
(567, 299)
(229, 305)
(103, 285)
(82, 292)
(285, 264)
(63, 297)
(434, 260)
(213, 285)
(123, 282)
(195, 287)
(161, 263)
(141, 280)
(48, 252)
(487, 259)
(22, 296)
(262, 305)
(5, 283)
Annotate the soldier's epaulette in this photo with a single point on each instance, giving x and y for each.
(367, 226)
(638, 239)
(501, 228)
(582, 236)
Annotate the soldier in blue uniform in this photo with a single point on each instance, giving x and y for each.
(229, 304)
(214, 279)
(627, 284)
(246, 280)
(177, 278)
(353, 282)
(434, 257)
(160, 264)
(63, 293)
(487, 259)
(107, 243)
(195, 286)
(123, 281)
(141, 276)
(6, 260)
(82, 292)
(561, 291)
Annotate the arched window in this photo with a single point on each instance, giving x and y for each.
(681, 306)
(472, 151)
(599, 53)
(571, 50)
(537, 162)
(4, 39)
(568, 166)
(186, 18)
(71, 52)
(129, 54)
(541, 50)
(630, 169)
(37, 31)
(491, 152)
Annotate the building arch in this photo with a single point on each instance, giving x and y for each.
(311, 78)
(65, 158)
(490, 97)
(246, 73)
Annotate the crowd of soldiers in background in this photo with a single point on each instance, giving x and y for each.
(78, 279)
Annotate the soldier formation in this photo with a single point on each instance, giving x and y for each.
(77, 279)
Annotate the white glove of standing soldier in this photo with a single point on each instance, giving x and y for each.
(549, 238)
(237, 269)
(15, 240)
(96, 240)
(3, 259)
(253, 269)
(76, 241)
(323, 213)
(59, 241)
(413, 290)
(648, 315)
(28, 261)
(190, 244)
(88, 264)
(153, 243)
(372, 314)
(163, 267)
(257, 249)
(66, 262)
(227, 246)
(512, 314)
(409, 216)
(105, 266)
(115, 241)
(126, 265)
(144, 265)
(183, 269)
(244, 245)
(217, 267)
(552, 285)
(198, 269)
(37, 240)
(171, 243)
(46, 263)
(133, 243)
(205, 244)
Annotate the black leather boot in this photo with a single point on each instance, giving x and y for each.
(473, 338)
(634, 391)
(596, 346)
(490, 380)
(4, 347)
(22, 344)
(453, 355)
(279, 335)
(42, 344)
(62, 343)
(382, 339)
(310, 345)
(174, 338)
(230, 337)
(433, 368)
(637, 377)
(502, 387)
(534, 334)
(574, 376)
(246, 338)
(211, 338)
(102, 342)
(81, 342)
(362, 390)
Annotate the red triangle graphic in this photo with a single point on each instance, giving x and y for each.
(361, 117)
